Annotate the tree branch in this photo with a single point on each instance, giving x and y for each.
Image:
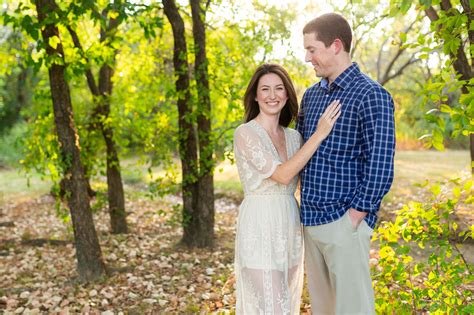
(379, 59)
(400, 70)
(460, 62)
(387, 77)
(468, 12)
(432, 14)
(89, 76)
(445, 5)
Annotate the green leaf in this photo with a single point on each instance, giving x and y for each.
(425, 3)
(435, 189)
(445, 108)
(421, 39)
(438, 146)
(456, 192)
(467, 186)
(405, 6)
(469, 309)
(403, 37)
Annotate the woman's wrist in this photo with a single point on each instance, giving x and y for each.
(318, 137)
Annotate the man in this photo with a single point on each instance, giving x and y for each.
(344, 182)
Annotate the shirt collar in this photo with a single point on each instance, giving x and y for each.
(344, 79)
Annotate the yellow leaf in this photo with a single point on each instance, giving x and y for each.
(385, 252)
(455, 226)
(407, 259)
(113, 14)
(431, 275)
(54, 41)
(37, 55)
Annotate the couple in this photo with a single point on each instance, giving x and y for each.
(344, 147)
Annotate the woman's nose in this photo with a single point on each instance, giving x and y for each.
(272, 93)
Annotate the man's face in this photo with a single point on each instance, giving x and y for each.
(321, 57)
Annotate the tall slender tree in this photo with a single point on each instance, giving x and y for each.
(195, 150)
(88, 252)
(200, 230)
(99, 118)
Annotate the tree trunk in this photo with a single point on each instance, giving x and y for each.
(115, 193)
(187, 135)
(102, 93)
(200, 231)
(88, 252)
(471, 138)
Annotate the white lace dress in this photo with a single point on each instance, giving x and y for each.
(269, 242)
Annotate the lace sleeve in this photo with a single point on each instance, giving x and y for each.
(257, 161)
(299, 139)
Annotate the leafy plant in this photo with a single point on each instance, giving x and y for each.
(407, 284)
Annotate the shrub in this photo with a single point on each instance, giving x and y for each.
(407, 284)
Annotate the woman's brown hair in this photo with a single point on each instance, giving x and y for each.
(289, 112)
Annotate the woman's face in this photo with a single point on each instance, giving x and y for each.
(271, 94)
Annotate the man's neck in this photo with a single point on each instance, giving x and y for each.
(339, 70)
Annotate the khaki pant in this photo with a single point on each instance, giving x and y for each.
(337, 265)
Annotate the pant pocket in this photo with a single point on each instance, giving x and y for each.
(348, 222)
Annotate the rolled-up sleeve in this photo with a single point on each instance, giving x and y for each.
(376, 116)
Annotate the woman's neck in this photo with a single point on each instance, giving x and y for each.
(269, 123)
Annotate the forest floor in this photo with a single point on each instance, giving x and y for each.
(149, 272)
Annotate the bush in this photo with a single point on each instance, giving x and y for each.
(405, 284)
(10, 153)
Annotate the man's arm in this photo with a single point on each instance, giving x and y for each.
(378, 148)
(300, 118)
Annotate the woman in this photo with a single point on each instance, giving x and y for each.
(269, 156)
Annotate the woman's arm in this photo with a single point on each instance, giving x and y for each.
(285, 172)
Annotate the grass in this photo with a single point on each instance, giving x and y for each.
(410, 167)
(16, 185)
(417, 166)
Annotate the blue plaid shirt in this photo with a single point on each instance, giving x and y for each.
(353, 167)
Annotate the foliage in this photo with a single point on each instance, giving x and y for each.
(403, 283)
(379, 50)
(17, 81)
(451, 25)
(9, 146)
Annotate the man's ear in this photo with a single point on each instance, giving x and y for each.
(338, 46)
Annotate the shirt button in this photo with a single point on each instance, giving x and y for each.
(303, 189)
(327, 95)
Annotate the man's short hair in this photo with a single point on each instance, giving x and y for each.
(329, 27)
